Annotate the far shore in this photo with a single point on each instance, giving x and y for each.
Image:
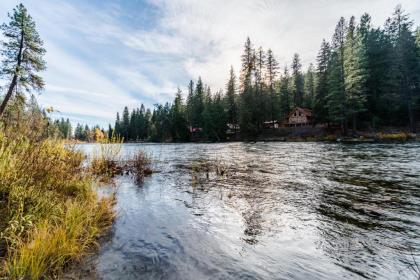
(381, 137)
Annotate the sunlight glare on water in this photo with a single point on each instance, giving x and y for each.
(280, 211)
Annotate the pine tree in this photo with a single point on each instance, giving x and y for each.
(78, 132)
(69, 129)
(86, 135)
(125, 124)
(23, 54)
(231, 99)
(337, 100)
(118, 128)
(142, 123)
(132, 135)
(260, 60)
(406, 67)
(198, 104)
(248, 121)
(219, 117)
(179, 122)
(418, 41)
(297, 81)
(285, 103)
(309, 96)
(321, 91)
(271, 74)
(379, 90)
(245, 79)
(110, 132)
(261, 108)
(355, 71)
(190, 103)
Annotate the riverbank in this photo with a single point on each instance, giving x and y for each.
(380, 137)
(309, 134)
(50, 215)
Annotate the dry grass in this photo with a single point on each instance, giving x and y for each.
(108, 163)
(105, 163)
(401, 136)
(139, 166)
(50, 215)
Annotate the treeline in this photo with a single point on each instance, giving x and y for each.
(87, 134)
(203, 115)
(365, 78)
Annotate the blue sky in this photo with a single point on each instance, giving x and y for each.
(103, 55)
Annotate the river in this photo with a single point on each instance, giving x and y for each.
(280, 211)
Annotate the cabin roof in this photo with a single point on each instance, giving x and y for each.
(304, 111)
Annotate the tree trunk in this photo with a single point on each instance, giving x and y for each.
(8, 95)
(15, 76)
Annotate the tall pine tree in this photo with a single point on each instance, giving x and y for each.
(309, 96)
(355, 72)
(337, 99)
(406, 68)
(22, 54)
(298, 82)
(272, 69)
(322, 86)
(231, 99)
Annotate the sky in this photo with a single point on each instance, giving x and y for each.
(103, 55)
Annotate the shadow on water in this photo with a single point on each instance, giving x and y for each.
(269, 211)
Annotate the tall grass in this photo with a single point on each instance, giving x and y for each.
(50, 215)
(105, 163)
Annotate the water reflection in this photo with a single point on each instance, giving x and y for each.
(281, 211)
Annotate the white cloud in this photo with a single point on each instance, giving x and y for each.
(217, 29)
(102, 56)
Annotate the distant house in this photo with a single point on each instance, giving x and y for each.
(195, 129)
(232, 128)
(271, 124)
(299, 117)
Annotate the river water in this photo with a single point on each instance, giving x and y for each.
(279, 211)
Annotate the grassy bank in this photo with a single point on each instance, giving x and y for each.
(49, 213)
(309, 134)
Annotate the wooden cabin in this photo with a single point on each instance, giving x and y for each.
(232, 128)
(299, 117)
(271, 124)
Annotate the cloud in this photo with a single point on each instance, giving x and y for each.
(217, 29)
(103, 55)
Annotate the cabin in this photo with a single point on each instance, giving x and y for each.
(271, 124)
(299, 117)
(232, 128)
(194, 129)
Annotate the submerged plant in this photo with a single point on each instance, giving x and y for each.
(108, 163)
(140, 166)
(105, 160)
